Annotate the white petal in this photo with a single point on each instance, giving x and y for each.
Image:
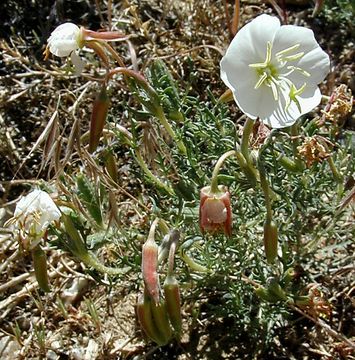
(40, 203)
(248, 47)
(317, 63)
(314, 61)
(62, 48)
(64, 39)
(255, 102)
(281, 118)
(309, 99)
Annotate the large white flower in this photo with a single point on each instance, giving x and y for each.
(65, 39)
(35, 211)
(273, 71)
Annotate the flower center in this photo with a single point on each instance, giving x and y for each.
(272, 74)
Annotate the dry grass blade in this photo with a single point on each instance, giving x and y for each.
(39, 141)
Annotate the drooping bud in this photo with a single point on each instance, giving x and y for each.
(215, 210)
(270, 241)
(98, 118)
(226, 97)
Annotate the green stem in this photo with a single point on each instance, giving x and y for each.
(217, 167)
(289, 164)
(295, 133)
(250, 171)
(266, 190)
(163, 120)
(248, 167)
(244, 146)
(338, 177)
(150, 175)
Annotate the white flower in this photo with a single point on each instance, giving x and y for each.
(273, 71)
(65, 39)
(35, 211)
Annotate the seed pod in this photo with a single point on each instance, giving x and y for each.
(145, 318)
(40, 266)
(263, 294)
(161, 320)
(270, 241)
(302, 300)
(173, 302)
(98, 118)
(276, 290)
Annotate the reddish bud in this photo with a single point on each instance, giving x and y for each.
(98, 118)
(150, 268)
(215, 210)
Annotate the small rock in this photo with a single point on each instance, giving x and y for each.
(92, 350)
(9, 348)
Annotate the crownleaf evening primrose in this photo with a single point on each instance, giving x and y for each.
(64, 39)
(35, 211)
(68, 38)
(273, 71)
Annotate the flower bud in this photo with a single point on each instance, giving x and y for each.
(98, 118)
(215, 210)
(270, 241)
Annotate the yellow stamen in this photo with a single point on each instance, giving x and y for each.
(285, 51)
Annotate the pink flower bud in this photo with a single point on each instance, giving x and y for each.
(215, 210)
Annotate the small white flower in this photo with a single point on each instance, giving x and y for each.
(273, 71)
(65, 39)
(35, 211)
